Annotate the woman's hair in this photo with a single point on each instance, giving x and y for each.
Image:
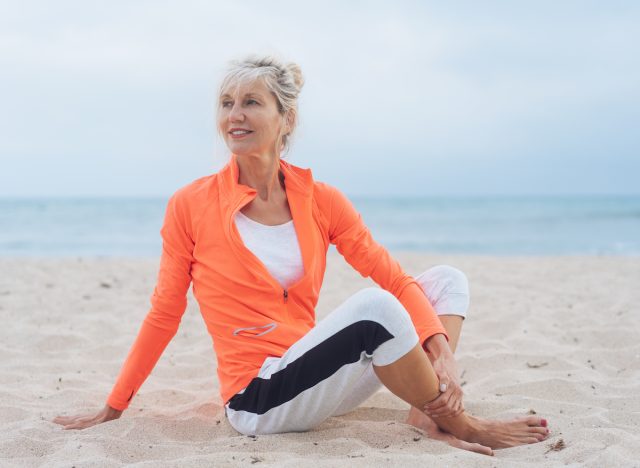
(284, 80)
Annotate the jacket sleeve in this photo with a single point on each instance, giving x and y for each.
(168, 303)
(355, 243)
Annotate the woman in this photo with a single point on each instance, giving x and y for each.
(253, 240)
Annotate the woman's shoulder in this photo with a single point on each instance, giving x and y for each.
(328, 193)
(323, 193)
(190, 201)
(332, 202)
(197, 188)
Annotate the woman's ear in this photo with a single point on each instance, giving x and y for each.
(290, 121)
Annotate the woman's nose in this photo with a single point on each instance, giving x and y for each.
(236, 114)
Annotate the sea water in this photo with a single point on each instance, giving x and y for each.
(525, 225)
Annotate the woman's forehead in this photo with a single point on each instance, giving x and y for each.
(244, 87)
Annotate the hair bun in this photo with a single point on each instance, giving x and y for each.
(296, 73)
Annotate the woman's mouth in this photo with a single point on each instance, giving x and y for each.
(237, 134)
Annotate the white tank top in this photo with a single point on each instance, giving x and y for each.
(276, 246)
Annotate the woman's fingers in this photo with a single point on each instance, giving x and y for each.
(439, 404)
(444, 413)
(61, 420)
(66, 420)
(443, 399)
(455, 403)
(78, 425)
(446, 405)
(79, 421)
(83, 422)
(459, 408)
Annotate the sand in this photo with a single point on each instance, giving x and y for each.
(556, 335)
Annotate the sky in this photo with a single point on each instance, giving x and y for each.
(118, 98)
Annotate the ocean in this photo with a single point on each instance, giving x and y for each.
(526, 225)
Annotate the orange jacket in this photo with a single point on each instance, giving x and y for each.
(247, 312)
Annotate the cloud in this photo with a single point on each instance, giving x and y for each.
(436, 86)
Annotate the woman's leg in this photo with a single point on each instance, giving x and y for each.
(309, 382)
(367, 385)
(447, 289)
(313, 378)
(408, 379)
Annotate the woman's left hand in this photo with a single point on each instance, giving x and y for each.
(448, 403)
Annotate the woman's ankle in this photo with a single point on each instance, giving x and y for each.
(462, 426)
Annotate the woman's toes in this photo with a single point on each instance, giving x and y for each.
(544, 436)
(486, 450)
(473, 447)
(539, 430)
(533, 420)
(536, 421)
(483, 449)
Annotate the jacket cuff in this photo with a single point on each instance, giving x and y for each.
(423, 315)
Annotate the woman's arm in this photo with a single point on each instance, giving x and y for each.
(168, 303)
(82, 421)
(355, 242)
(449, 403)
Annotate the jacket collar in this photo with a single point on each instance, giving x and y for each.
(297, 180)
(299, 188)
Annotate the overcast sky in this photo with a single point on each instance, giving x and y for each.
(401, 98)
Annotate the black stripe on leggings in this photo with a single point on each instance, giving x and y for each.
(315, 365)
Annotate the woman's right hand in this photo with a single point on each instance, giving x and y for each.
(82, 421)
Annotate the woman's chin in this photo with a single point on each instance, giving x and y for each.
(242, 150)
(238, 148)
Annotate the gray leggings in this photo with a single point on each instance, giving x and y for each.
(329, 371)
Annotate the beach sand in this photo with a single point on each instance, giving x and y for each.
(556, 335)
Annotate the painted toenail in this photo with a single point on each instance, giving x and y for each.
(543, 422)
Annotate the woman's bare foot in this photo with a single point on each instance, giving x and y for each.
(420, 420)
(503, 434)
(486, 433)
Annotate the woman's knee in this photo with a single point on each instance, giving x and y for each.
(447, 288)
(381, 306)
(399, 336)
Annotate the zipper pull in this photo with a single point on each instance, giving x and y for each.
(285, 293)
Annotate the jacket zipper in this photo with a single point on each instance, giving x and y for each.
(285, 292)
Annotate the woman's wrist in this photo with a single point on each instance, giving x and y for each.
(438, 346)
(112, 413)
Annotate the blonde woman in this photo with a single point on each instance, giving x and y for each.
(253, 239)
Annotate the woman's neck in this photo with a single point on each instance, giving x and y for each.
(262, 174)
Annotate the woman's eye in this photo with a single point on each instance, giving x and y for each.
(230, 103)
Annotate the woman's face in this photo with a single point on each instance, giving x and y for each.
(248, 119)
